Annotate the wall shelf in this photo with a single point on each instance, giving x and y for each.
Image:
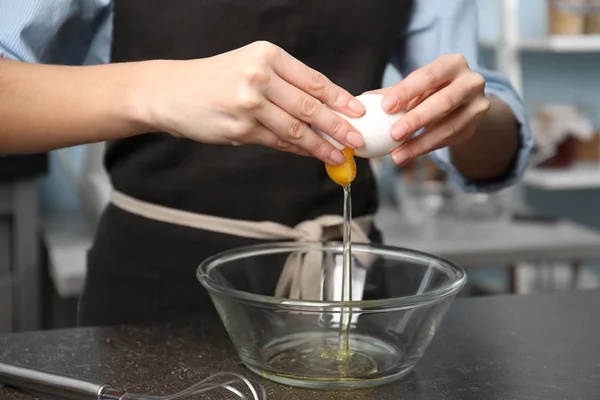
(553, 44)
(581, 176)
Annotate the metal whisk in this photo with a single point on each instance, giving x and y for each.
(212, 383)
(77, 389)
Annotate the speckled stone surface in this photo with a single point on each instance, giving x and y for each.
(542, 347)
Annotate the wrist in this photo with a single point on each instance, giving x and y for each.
(492, 149)
(143, 96)
(469, 148)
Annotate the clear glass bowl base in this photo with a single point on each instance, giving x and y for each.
(314, 360)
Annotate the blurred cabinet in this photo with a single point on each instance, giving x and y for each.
(19, 242)
(6, 312)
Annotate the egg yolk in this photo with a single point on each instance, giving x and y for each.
(345, 173)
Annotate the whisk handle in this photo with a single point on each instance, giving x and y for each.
(56, 384)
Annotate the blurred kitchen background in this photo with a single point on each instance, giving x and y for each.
(542, 235)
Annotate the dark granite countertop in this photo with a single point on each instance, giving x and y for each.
(543, 346)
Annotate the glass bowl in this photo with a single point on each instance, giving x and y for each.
(399, 296)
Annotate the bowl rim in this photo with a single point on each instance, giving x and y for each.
(411, 301)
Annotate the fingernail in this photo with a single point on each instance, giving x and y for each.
(355, 140)
(398, 132)
(337, 157)
(400, 156)
(356, 106)
(389, 103)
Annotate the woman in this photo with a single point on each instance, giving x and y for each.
(250, 79)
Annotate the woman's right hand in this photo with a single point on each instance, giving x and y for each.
(257, 94)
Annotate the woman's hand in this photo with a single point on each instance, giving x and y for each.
(257, 94)
(445, 97)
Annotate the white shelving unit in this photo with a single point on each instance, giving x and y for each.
(509, 48)
(554, 44)
(582, 176)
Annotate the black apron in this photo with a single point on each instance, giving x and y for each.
(141, 270)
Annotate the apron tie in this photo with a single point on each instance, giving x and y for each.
(301, 277)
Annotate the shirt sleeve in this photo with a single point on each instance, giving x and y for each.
(440, 27)
(64, 32)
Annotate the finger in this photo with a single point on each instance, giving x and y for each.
(262, 136)
(464, 134)
(431, 76)
(435, 107)
(294, 150)
(418, 100)
(310, 110)
(441, 133)
(281, 145)
(296, 132)
(317, 85)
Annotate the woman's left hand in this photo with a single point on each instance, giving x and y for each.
(445, 97)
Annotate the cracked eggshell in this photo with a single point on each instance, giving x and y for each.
(375, 126)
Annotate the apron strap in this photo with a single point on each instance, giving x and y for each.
(301, 277)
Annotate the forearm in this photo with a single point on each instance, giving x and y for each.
(492, 149)
(44, 107)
